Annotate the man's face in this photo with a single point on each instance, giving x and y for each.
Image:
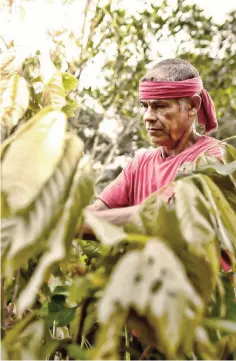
(166, 121)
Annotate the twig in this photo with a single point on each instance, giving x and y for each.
(96, 140)
(15, 291)
(144, 354)
(3, 307)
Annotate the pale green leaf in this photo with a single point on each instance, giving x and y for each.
(108, 339)
(191, 210)
(224, 217)
(153, 282)
(30, 157)
(76, 352)
(222, 169)
(107, 233)
(155, 218)
(229, 155)
(27, 231)
(69, 81)
(15, 100)
(203, 345)
(221, 325)
(61, 236)
(14, 332)
(70, 108)
(53, 93)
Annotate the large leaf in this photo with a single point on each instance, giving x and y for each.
(106, 232)
(153, 282)
(192, 210)
(158, 219)
(15, 100)
(30, 157)
(220, 325)
(53, 93)
(224, 217)
(60, 239)
(108, 339)
(27, 230)
(27, 344)
(222, 169)
(229, 155)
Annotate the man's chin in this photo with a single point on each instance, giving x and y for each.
(163, 141)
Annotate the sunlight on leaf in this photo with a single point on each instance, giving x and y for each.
(31, 157)
(153, 282)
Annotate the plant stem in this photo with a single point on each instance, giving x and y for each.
(127, 354)
(3, 307)
(15, 291)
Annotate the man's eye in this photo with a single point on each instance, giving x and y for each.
(143, 106)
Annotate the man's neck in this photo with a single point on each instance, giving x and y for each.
(185, 142)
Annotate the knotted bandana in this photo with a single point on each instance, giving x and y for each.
(149, 90)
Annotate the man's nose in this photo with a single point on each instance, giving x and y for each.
(149, 116)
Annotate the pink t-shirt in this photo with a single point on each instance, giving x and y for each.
(148, 172)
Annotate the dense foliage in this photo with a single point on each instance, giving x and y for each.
(113, 46)
(153, 289)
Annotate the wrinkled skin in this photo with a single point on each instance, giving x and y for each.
(170, 124)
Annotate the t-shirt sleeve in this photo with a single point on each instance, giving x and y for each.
(214, 151)
(117, 193)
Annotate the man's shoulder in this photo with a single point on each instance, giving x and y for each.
(144, 156)
(212, 147)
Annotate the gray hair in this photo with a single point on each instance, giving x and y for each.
(172, 70)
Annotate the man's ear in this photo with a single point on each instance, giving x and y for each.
(195, 103)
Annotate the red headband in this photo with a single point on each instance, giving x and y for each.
(181, 89)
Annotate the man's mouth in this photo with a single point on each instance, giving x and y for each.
(153, 130)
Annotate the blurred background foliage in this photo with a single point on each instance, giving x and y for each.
(108, 46)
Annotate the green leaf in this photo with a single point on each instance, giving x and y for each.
(106, 232)
(53, 93)
(224, 305)
(229, 155)
(222, 169)
(108, 339)
(191, 210)
(71, 107)
(158, 219)
(153, 283)
(221, 325)
(224, 217)
(14, 102)
(69, 81)
(65, 316)
(59, 241)
(76, 352)
(14, 332)
(60, 290)
(27, 231)
(62, 318)
(79, 290)
(194, 218)
(30, 157)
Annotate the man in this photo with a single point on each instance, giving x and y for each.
(173, 98)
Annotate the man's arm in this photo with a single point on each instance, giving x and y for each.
(98, 205)
(117, 216)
